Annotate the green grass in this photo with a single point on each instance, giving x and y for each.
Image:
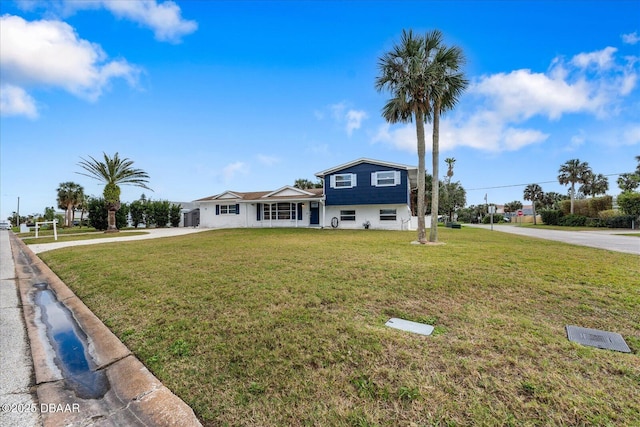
(278, 327)
(49, 238)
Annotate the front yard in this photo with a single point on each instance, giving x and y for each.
(277, 327)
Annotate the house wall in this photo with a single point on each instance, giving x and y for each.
(247, 216)
(370, 213)
(364, 193)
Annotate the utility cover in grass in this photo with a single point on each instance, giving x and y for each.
(597, 338)
(409, 326)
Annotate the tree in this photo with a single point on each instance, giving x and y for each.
(512, 207)
(423, 78)
(70, 195)
(114, 172)
(573, 172)
(594, 185)
(534, 193)
(454, 198)
(305, 184)
(136, 209)
(628, 181)
(450, 161)
(175, 214)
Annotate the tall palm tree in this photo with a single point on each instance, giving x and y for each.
(70, 195)
(422, 76)
(594, 185)
(572, 172)
(450, 161)
(113, 172)
(534, 193)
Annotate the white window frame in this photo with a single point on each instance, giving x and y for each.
(281, 211)
(386, 177)
(388, 214)
(348, 215)
(338, 180)
(228, 209)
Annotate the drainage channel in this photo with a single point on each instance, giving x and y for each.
(69, 343)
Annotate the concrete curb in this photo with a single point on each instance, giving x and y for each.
(135, 397)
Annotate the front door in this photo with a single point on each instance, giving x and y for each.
(314, 213)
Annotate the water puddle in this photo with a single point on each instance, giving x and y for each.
(70, 345)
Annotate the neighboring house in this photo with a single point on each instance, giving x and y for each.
(360, 192)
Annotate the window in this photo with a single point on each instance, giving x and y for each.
(385, 178)
(343, 180)
(279, 211)
(228, 209)
(347, 215)
(387, 214)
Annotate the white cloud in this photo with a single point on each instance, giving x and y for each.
(14, 101)
(164, 19)
(232, 170)
(268, 160)
(350, 118)
(631, 135)
(602, 59)
(354, 120)
(631, 38)
(50, 54)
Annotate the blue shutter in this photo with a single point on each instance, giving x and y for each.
(237, 209)
(258, 211)
(299, 210)
(217, 209)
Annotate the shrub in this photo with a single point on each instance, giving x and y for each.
(620, 221)
(608, 214)
(573, 220)
(599, 204)
(496, 218)
(551, 216)
(629, 203)
(98, 214)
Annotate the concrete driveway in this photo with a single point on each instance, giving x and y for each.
(609, 239)
(151, 233)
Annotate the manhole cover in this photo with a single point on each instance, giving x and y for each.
(597, 338)
(409, 326)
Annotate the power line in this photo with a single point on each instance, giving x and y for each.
(524, 185)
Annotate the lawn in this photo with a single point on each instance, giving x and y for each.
(276, 327)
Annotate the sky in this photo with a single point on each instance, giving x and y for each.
(209, 96)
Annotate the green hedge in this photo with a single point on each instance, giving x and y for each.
(551, 216)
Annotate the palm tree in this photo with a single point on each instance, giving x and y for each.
(113, 172)
(534, 193)
(572, 172)
(450, 161)
(594, 185)
(70, 195)
(422, 76)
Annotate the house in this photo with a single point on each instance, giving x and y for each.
(362, 192)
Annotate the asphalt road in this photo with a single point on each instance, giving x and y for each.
(609, 239)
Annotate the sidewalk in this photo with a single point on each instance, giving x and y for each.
(16, 368)
(611, 240)
(34, 390)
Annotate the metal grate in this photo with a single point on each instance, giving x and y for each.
(597, 338)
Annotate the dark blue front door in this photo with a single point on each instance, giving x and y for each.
(315, 213)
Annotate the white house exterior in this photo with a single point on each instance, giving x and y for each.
(363, 193)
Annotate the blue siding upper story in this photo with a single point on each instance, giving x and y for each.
(364, 193)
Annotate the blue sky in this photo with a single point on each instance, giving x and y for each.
(208, 96)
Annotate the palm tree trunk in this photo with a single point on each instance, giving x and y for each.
(573, 191)
(111, 217)
(435, 184)
(422, 233)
